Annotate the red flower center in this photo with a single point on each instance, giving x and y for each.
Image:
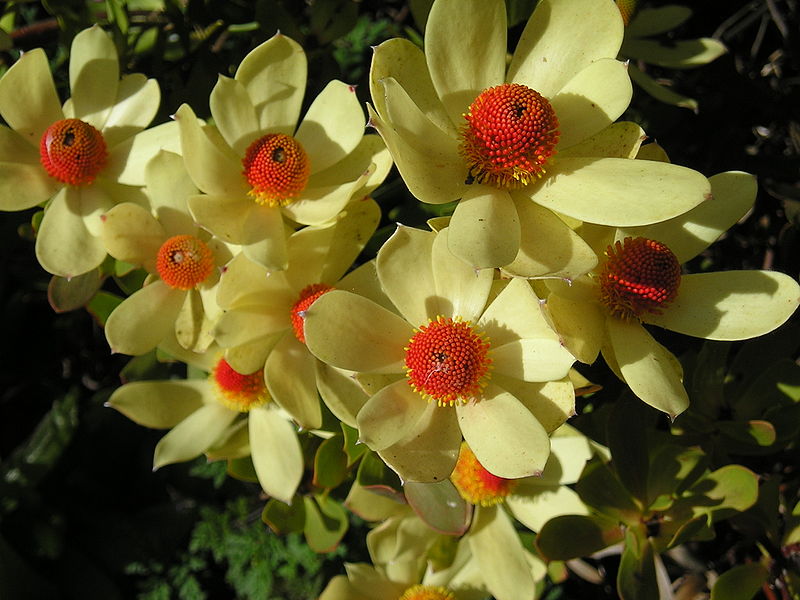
(427, 592)
(446, 361)
(627, 8)
(73, 151)
(639, 276)
(238, 391)
(277, 169)
(510, 133)
(307, 297)
(183, 261)
(475, 483)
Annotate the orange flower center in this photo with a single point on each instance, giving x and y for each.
(183, 261)
(307, 297)
(427, 592)
(277, 169)
(510, 133)
(639, 276)
(627, 8)
(446, 361)
(73, 151)
(475, 483)
(238, 391)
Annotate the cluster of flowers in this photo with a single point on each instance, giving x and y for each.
(452, 351)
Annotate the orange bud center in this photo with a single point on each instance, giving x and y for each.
(627, 8)
(277, 169)
(72, 151)
(447, 361)
(307, 297)
(427, 592)
(639, 276)
(510, 133)
(183, 261)
(238, 391)
(476, 484)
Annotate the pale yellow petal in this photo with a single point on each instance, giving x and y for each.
(341, 393)
(485, 228)
(276, 453)
(169, 188)
(505, 437)
(194, 435)
(618, 140)
(514, 314)
(580, 324)
(393, 414)
(535, 510)
(543, 359)
(551, 402)
(459, 72)
(264, 237)
(131, 234)
(135, 106)
(234, 113)
(647, 367)
(462, 290)
(561, 38)
(290, 373)
(247, 324)
(193, 326)
(93, 75)
(730, 305)
(222, 215)
(23, 181)
(159, 404)
(128, 160)
(320, 206)
(353, 333)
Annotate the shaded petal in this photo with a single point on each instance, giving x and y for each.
(547, 245)
(332, 127)
(459, 72)
(290, 373)
(248, 324)
(535, 510)
(353, 333)
(134, 108)
(28, 99)
(408, 253)
(357, 164)
(730, 305)
(395, 413)
(247, 284)
(675, 54)
(543, 359)
(619, 192)
(618, 140)
(647, 367)
(264, 237)
(159, 404)
(234, 114)
(213, 167)
(169, 187)
(341, 393)
(505, 437)
(131, 234)
(463, 290)
(222, 215)
(432, 177)
(498, 550)
(561, 39)
(192, 325)
(405, 62)
(274, 74)
(430, 453)
(250, 357)
(592, 100)
(687, 235)
(580, 324)
(23, 181)
(485, 229)
(276, 453)
(144, 319)
(64, 245)
(194, 435)
(515, 313)
(93, 76)
(319, 206)
(127, 160)
(551, 402)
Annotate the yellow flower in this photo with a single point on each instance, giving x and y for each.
(639, 282)
(256, 165)
(204, 414)
(365, 582)
(262, 324)
(462, 126)
(461, 355)
(182, 260)
(83, 157)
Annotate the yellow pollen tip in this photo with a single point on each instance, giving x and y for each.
(447, 361)
(184, 261)
(639, 275)
(427, 592)
(511, 131)
(277, 168)
(238, 391)
(73, 152)
(477, 485)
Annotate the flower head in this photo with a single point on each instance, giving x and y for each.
(241, 392)
(73, 151)
(277, 169)
(477, 485)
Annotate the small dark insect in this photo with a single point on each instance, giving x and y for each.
(278, 155)
(69, 137)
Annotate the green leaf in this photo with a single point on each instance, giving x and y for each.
(767, 390)
(627, 433)
(706, 385)
(721, 494)
(573, 536)
(242, 468)
(330, 463)
(102, 304)
(636, 578)
(439, 505)
(326, 523)
(285, 518)
(745, 434)
(375, 476)
(352, 448)
(600, 488)
(69, 294)
(658, 91)
(742, 582)
(673, 469)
